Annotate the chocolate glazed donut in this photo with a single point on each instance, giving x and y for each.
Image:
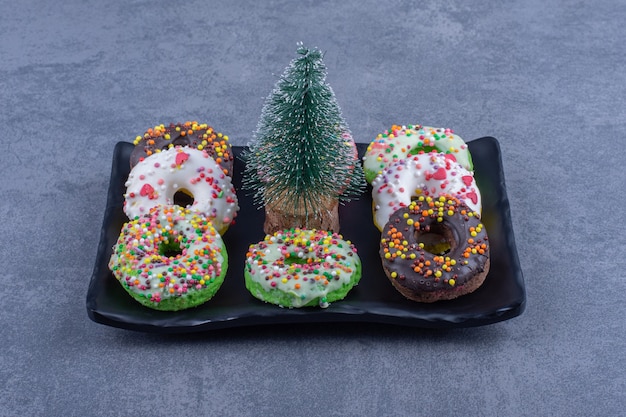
(435, 249)
(192, 134)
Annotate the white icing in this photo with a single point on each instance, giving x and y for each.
(425, 174)
(155, 180)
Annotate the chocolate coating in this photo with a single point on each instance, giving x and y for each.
(436, 245)
(192, 134)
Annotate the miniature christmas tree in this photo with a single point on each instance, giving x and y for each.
(302, 160)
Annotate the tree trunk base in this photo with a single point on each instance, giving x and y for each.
(278, 217)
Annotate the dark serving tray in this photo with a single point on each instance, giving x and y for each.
(374, 300)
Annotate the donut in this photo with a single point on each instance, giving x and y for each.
(435, 249)
(400, 142)
(178, 174)
(171, 259)
(428, 174)
(302, 268)
(192, 134)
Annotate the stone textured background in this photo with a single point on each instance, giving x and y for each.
(544, 77)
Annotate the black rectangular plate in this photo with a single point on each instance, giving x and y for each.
(374, 300)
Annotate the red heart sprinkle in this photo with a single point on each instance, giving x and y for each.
(467, 180)
(472, 196)
(146, 190)
(451, 157)
(440, 174)
(181, 157)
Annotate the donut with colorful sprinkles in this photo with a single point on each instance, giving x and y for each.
(302, 268)
(400, 142)
(193, 134)
(428, 174)
(435, 249)
(182, 175)
(171, 259)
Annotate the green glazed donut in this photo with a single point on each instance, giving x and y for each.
(170, 259)
(302, 268)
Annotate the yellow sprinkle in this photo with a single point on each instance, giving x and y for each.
(451, 282)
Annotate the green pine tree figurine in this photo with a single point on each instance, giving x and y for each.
(302, 161)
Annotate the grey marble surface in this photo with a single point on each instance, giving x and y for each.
(544, 77)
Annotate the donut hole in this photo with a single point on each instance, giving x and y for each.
(437, 239)
(291, 260)
(422, 149)
(183, 198)
(170, 249)
(180, 141)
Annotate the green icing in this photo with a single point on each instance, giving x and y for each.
(192, 298)
(293, 299)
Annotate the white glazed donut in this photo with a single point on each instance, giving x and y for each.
(155, 180)
(429, 174)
